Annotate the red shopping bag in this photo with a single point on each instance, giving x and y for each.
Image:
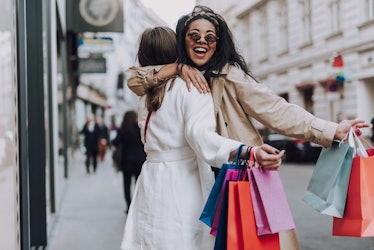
(358, 219)
(241, 225)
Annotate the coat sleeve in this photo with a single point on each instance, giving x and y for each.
(261, 103)
(200, 129)
(140, 78)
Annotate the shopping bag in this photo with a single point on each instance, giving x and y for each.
(215, 195)
(241, 225)
(221, 230)
(270, 204)
(327, 188)
(358, 218)
(231, 175)
(226, 172)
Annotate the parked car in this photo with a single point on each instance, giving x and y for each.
(297, 150)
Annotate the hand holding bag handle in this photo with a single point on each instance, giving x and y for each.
(355, 142)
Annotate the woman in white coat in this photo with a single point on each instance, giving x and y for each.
(178, 132)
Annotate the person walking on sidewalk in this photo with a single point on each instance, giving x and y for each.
(104, 140)
(131, 150)
(178, 131)
(91, 132)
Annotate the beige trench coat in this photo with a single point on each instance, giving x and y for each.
(237, 99)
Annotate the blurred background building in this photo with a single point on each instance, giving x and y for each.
(63, 59)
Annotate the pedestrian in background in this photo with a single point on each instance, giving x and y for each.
(92, 133)
(104, 140)
(131, 149)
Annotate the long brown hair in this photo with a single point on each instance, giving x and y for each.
(130, 122)
(157, 46)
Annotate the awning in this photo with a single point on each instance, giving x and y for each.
(91, 95)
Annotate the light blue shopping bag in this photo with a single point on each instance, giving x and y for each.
(328, 186)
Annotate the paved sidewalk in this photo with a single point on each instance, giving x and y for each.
(92, 212)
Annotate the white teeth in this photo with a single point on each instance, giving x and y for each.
(200, 50)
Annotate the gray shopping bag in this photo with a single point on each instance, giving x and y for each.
(328, 186)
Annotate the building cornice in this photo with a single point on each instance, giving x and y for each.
(245, 8)
(306, 59)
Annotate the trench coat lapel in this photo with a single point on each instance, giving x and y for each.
(217, 89)
(217, 93)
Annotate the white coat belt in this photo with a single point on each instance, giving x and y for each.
(170, 155)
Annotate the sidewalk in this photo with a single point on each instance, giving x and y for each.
(92, 213)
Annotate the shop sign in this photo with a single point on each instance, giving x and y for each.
(94, 15)
(91, 65)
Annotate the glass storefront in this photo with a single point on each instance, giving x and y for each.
(9, 212)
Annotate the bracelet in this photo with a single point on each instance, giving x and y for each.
(251, 160)
(254, 153)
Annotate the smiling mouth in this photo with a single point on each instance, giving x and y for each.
(200, 51)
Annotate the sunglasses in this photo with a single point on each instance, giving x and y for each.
(210, 38)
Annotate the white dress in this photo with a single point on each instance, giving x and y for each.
(170, 193)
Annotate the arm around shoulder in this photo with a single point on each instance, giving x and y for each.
(141, 78)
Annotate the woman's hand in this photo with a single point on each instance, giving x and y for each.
(345, 125)
(268, 157)
(193, 76)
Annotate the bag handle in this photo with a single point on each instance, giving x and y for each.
(368, 144)
(241, 164)
(236, 162)
(355, 142)
(243, 175)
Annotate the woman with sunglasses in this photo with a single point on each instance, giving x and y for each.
(207, 54)
(178, 132)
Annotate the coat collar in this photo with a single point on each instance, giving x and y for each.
(217, 87)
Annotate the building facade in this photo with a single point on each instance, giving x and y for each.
(138, 18)
(318, 54)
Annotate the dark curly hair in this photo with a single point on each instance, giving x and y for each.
(225, 52)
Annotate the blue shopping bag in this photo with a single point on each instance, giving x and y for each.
(221, 237)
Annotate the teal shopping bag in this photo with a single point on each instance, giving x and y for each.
(328, 186)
